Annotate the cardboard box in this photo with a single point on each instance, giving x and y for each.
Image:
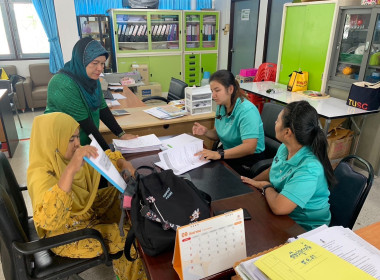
(152, 89)
(242, 79)
(339, 142)
(143, 70)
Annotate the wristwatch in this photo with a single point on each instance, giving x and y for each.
(221, 153)
(265, 187)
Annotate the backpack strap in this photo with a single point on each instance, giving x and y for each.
(129, 241)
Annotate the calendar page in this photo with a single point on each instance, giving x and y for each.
(209, 246)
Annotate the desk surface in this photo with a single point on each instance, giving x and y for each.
(329, 108)
(371, 234)
(141, 123)
(264, 231)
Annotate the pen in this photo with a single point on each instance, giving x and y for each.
(169, 146)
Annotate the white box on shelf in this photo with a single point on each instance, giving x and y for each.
(198, 100)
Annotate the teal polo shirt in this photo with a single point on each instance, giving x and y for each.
(302, 180)
(243, 123)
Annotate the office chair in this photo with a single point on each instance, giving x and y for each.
(266, 72)
(6, 84)
(176, 92)
(348, 195)
(23, 254)
(268, 116)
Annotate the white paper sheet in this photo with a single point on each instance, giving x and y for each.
(118, 96)
(181, 159)
(105, 167)
(112, 103)
(178, 141)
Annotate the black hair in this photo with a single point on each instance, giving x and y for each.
(302, 119)
(226, 79)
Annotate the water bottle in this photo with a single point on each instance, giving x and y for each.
(206, 76)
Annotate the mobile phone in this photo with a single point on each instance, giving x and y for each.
(246, 214)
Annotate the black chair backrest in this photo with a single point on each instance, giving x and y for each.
(269, 117)
(348, 195)
(10, 230)
(176, 89)
(9, 183)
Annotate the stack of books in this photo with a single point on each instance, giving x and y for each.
(323, 253)
(140, 144)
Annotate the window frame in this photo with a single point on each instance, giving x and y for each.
(12, 35)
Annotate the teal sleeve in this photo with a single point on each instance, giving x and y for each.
(64, 96)
(302, 186)
(249, 124)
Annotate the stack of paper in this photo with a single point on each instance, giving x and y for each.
(180, 157)
(166, 112)
(334, 253)
(140, 144)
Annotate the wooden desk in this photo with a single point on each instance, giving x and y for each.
(141, 123)
(8, 132)
(371, 234)
(263, 232)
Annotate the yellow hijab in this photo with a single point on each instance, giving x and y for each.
(48, 143)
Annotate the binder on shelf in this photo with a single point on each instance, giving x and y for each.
(119, 30)
(124, 32)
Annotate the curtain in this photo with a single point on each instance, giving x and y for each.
(96, 7)
(174, 5)
(204, 4)
(46, 12)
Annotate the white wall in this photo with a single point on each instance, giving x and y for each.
(224, 6)
(261, 33)
(67, 26)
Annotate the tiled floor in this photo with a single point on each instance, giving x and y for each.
(368, 215)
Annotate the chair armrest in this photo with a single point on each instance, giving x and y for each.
(260, 166)
(28, 86)
(155, 98)
(28, 248)
(20, 94)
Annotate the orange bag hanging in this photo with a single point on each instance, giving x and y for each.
(298, 81)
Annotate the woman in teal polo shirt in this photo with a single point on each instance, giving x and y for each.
(238, 125)
(297, 183)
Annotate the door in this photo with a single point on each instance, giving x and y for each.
(244, 31)
(162, 68)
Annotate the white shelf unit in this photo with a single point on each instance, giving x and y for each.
(198, 100)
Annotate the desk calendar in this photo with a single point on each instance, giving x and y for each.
(209, 246)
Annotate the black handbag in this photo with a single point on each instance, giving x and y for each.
(162, 203)
(364, 95)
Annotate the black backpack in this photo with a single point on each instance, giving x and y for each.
(162, 203)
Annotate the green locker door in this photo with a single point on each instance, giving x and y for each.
(315, 41)
(209, 62)
(162, 68)
(124, 63)
(292, 42)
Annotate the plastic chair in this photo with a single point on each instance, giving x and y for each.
(348, 195)
(266, 72)
(23, 254)
(176, 92)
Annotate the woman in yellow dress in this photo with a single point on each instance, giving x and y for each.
(65, 195)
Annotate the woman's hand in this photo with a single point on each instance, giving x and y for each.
(199, 129)
(257, 184)
(77, 161)
(123, 164)
(75, 165)
(207, 155)
(128, 136)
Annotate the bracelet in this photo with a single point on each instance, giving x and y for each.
(121, 134)
(265, 187)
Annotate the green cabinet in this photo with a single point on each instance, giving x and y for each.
(147, 31)
(201, 30)
(305, 41)
(157, 70)
(196, 64)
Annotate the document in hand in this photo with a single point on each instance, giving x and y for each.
(181, 159)
(105, 167)
(140, 144)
